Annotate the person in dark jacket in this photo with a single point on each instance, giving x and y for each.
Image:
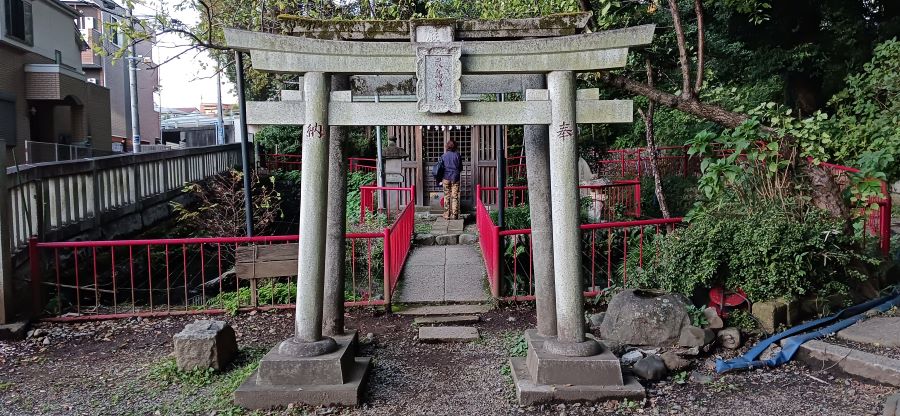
(452, 168)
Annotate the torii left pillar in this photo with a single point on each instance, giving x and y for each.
(309, 368)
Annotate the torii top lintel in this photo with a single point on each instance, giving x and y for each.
(580, 53)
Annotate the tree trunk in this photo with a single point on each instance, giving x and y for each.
(686, 91)
(651, 148)
(701, 47)
(336, 224)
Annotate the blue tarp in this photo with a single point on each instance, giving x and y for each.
(793, 341)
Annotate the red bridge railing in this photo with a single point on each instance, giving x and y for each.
(389, 201)
(397, 241)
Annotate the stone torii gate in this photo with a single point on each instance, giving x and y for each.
(315, 369)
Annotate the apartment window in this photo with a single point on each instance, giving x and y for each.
(18, 20)
(116, 36)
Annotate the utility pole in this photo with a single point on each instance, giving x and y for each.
(132, 80)
(220, 125)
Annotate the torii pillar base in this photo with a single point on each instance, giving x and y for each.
(336, 378)
(543, 377)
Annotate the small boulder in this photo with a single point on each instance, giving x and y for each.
(692, 336)
(424, 239)
(447, 239)
(700, 378)
(729, 338)
(597, 319)
(675, 362)
(631, 357)
(645, 317)
(468, 239)
(205, 344)
(650, 367)
(713, 320)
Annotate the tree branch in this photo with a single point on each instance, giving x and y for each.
(701, 45)
(686, 91)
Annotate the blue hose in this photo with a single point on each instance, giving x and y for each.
(792, 341)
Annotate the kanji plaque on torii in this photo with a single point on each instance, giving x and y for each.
(438, 73)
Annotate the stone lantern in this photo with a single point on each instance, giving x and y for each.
(393, 156)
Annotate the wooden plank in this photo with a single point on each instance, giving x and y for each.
(261, 261)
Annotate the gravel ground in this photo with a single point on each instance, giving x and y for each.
(124, 367)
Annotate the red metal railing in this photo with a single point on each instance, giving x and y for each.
(286, 161)
(397, 241)
(635, 162)
(92, 280)
(601, 202)
(878, 221)
(607, 247)
(384, 200)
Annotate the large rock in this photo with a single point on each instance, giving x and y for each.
(205, 344)
(644, 317)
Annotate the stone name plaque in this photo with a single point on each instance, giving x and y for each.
(438, 73)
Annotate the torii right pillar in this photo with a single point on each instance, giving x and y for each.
(572, 366)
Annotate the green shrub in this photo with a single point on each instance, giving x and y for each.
(680, 193)
(767, 252)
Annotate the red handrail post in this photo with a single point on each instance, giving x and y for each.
(34, 259)
(885, 226)
(387, 270)
(495, 288)
(637, 199)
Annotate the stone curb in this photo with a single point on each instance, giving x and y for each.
(879, 369)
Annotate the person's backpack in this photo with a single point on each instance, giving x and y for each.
(437, 171)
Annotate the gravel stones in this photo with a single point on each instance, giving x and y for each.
(692, 336)
(644, 317)
(205, 344)
(651, 368)
(729, 338)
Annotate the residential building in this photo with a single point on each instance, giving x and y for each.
(94, 20)
(211, 109)
(45, 96)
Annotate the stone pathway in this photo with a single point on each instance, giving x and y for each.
(439, 274)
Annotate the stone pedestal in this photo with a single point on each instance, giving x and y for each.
(336, 378)
(543, 377)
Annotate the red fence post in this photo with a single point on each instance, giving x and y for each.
(34, 258)
(637, 199)
(387, 270)
(885, 226)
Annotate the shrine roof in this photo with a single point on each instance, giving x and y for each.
(400, 30)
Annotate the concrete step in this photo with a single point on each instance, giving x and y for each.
(447, 334)
(444, 310)
(439, 320)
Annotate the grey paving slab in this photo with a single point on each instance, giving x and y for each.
(463, 254)
(447, 334)
(427, 256)
(421, 284)
(876, 368)
(454, 319)
(443, 310)
(882, 330)
(464, 283)
(455, 225)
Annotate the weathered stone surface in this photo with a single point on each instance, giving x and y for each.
(437, 320)
(277, 369)
(883, 330)
(425, 240)
(205, 344)
(547, 368)
(447, 239)
(438, 310)
(675, 362)
(468, 239)
(596, 319)
(875, 368)
(892, 406)
(639, 317)
(448, 334)
(13, 331)
(651, 368)
(530, 393)
(692, 336)
(713, 320)
(455, 226)
(252, 395)
(771, 314)
(631, 357)
(729, 338)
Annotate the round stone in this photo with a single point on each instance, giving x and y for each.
(298, 348)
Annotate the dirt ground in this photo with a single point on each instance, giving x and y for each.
(123, 367)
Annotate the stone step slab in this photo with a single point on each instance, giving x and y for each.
(448, 334)
(875, 368)
(438, 320)
(445, 310)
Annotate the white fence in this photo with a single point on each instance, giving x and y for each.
(74, 194)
